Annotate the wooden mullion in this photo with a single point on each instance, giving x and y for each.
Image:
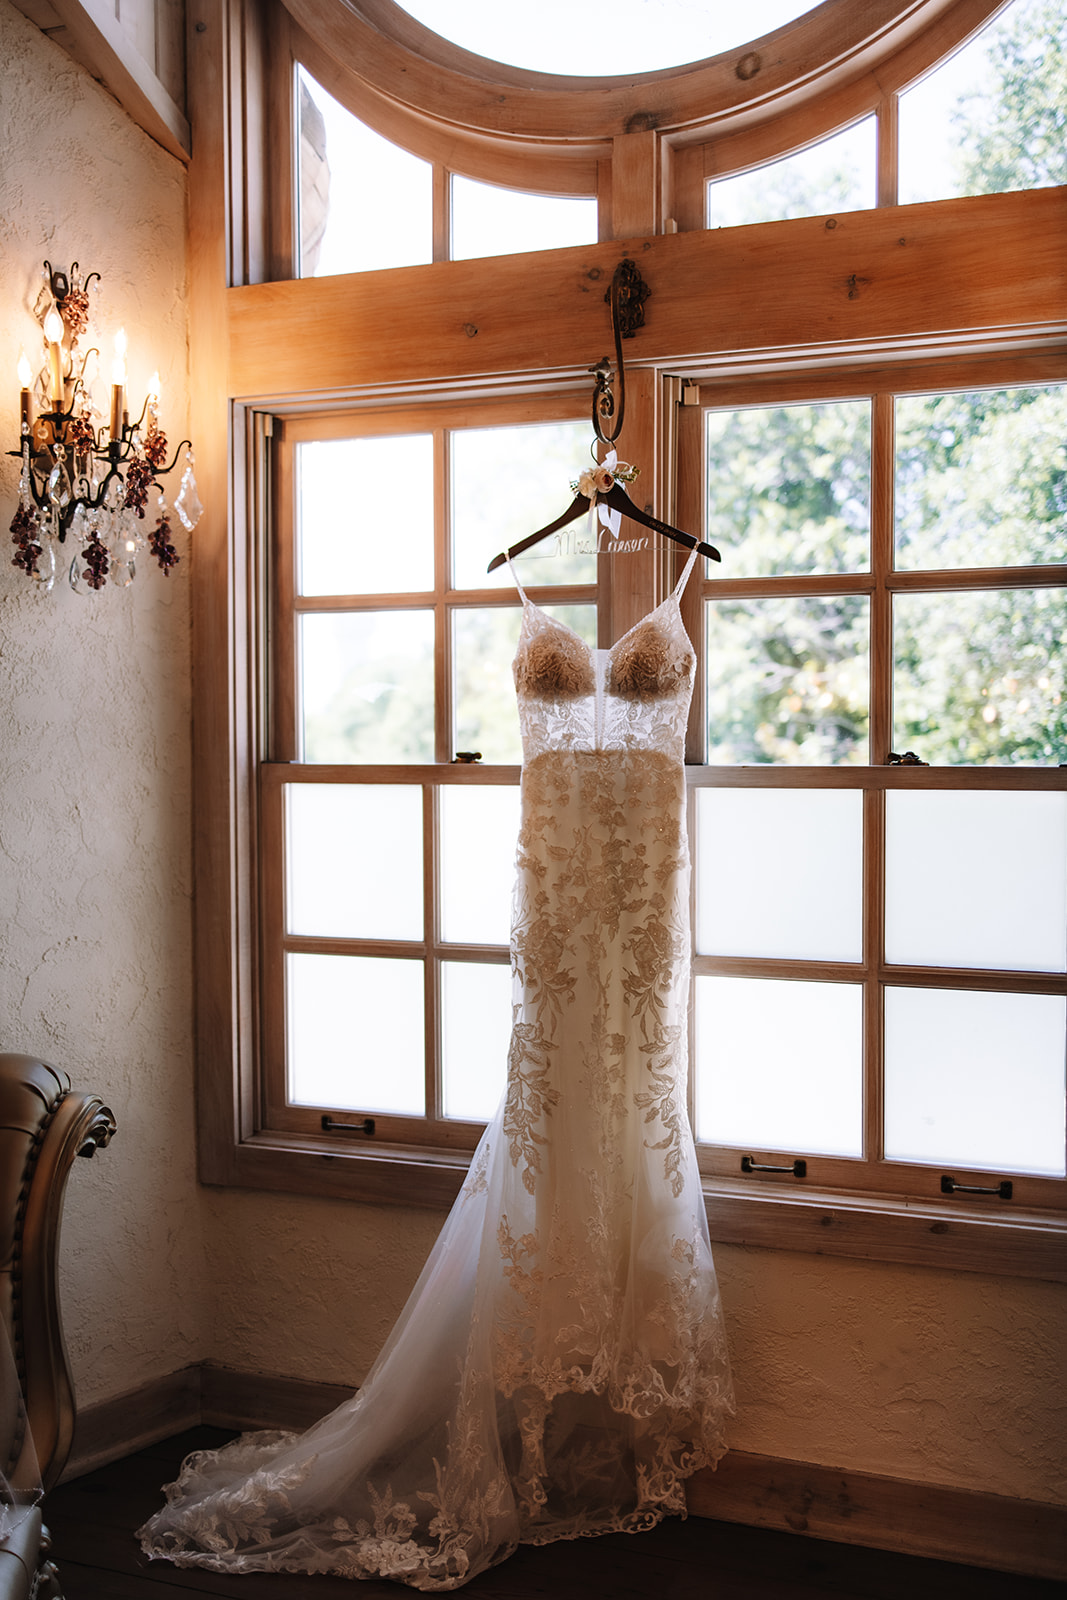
(873, 957)
(284, 739)
(883, 458)
(1052, 576)
(828, 584)
(431, 880)
(888, 150)
(768, 776)
(1001, 980)
(442, 212)
(282, 151)
(271, 1095)
(786, 968)
(442, 525)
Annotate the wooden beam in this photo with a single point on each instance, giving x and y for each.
(94, 37)
(950, 274)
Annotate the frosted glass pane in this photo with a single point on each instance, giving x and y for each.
(836, 175)
(354, 861)
(366, 686)
(991, 117)
(980, 678)
(787, 680)
(789, 488)
(779, 1065)
(560, 37)
(479, 829)
(977, 880)
(506, 483)
(488, 220)
(355, 1030)
(780, 873)
(364, 203)
(348, 495)
(979, 478)
(975, 1078)
(485, 639)
(475, 1034)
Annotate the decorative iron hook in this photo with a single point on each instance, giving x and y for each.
(626, 297)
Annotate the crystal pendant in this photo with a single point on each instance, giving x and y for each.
(45, 575)
(187, 503)
(59, 490)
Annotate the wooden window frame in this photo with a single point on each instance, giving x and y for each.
(949, 280)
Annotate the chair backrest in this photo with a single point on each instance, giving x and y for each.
(44, 1124)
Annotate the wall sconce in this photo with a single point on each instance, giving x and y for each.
(84, 473)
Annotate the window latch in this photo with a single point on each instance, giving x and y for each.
(798, 1168)
(950, 1186)
(366, 1126)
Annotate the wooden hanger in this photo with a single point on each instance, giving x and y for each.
(626, 297)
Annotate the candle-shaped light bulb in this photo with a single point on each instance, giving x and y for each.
(118, 384)
(25, 374)
(53, 332)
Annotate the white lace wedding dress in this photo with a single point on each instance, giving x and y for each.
(560, 1367)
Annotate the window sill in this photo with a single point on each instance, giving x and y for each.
(955, 1236)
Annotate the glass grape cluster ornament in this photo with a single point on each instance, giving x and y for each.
(87, 476)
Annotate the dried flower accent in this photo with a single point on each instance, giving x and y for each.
(646, 666)
(139, 475)
(599, 479)
(159, 542)
(155, 446)
(76, 313)
(24, 529)
(97, 562)
(554, 664)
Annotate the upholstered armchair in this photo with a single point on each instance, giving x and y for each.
(44, 1124)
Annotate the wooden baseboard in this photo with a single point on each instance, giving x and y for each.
(922, 1519)
(918, 1519)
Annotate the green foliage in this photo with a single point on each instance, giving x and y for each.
(1014, 135)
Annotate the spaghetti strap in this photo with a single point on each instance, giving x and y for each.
(683, 580)
(518, 585)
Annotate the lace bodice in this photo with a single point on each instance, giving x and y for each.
(634, 696)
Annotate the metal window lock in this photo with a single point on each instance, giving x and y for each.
(950, 1186)
(799, 1169)
(330, 1126)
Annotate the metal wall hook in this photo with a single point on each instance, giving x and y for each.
(626, 297)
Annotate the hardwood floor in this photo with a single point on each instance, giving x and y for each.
(92, 1521)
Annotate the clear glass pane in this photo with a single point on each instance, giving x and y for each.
(488, 220)
(990, 118)
(508, 482)
(351, 495)
(479, 829)
(363, 202)
(558, 36)
(979, 677)
(779, 1065)
(475, 1035)
(354, 861)
(757, 894)
(977, 880)
(355, 1031)
(836, 175)
(366, 686)
(980, 478)
(975, 1078)
(789, 488)
(788, 680)
(484, 641)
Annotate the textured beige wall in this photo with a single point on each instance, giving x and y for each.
(95, 938)
(940, 1377)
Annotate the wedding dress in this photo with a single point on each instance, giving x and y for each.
(560, 1367)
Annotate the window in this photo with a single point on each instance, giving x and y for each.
(861, 373)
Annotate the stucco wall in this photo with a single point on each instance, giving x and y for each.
(95, 941)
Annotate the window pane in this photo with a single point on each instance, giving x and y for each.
(980, 478)
(779, 1064)
(991, 118)
(366, 682)
(485, 639)
(475, 1034)
(354, 861)
(488, 220)
(349, 495)
(355, 1026)
(757, 894)
(977, 880)
(507, 483)
(364, 203)
(788, 680)
(836, 175)
(789, 488)
(975, 1078)
(979, 677)
(479, 829)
